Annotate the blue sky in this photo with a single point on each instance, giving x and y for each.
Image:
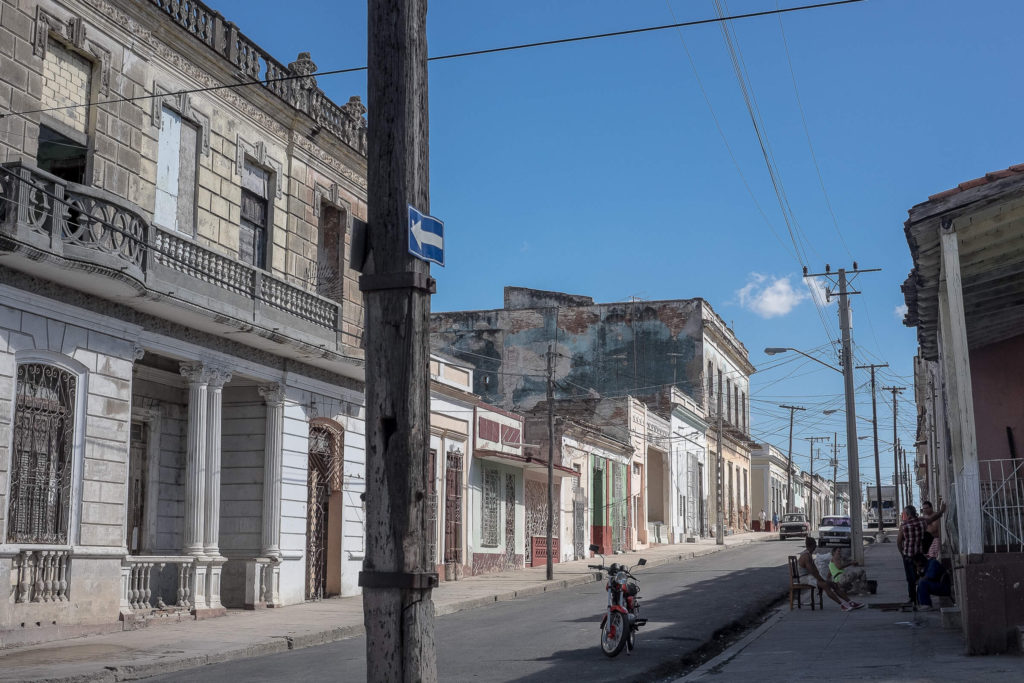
(597, 167)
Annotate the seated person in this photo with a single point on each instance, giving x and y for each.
(934, 580)
(806, 567)
(846, 574)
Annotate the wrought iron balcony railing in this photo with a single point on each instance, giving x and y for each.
(91, 228)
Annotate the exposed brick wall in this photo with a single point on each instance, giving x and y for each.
(66, 77)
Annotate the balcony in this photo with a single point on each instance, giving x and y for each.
(89, 240)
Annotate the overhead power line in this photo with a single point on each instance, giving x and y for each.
(459, 55)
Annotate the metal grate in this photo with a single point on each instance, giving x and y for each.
(510, 521)
(321, 470)
(1002, 504)
(489, 514)
(44, 426)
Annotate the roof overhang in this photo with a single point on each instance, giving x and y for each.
(527, 462)
(988, 218)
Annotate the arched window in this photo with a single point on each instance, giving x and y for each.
(41, 462)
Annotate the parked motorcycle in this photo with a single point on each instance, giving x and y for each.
(622, 617)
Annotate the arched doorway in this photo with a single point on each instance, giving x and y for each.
(323, 510)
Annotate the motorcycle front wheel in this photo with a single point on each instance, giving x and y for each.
(614, 634)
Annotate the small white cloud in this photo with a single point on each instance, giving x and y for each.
(900, 311)
(769, 297)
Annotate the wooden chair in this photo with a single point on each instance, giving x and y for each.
(797, 587)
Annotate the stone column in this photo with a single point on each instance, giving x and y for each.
(214, 393)
(195, 463)
(273, 394)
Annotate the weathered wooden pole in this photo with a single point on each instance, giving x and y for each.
(397, 609)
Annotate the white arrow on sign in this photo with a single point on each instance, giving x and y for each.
(425, 236)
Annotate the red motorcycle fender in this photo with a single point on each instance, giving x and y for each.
(619, 608)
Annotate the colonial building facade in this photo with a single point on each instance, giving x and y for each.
(181, 411)
(602, 353)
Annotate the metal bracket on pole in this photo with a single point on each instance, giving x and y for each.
(406, 280)
(408, 580)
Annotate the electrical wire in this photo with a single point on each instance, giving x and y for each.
(454, 55)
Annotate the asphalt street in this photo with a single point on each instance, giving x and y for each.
(555, 636)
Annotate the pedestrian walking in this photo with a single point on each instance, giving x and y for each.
(775, 521)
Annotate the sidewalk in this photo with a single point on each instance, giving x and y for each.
(163, 649)
(867, 644)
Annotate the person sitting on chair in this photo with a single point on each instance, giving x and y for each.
(806, 567)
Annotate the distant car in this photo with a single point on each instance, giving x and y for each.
(793, 524)
(834, 530)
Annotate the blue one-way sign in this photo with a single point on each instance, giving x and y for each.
(426, 237)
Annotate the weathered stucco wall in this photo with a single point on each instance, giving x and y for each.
(997, 375)
(602, 349)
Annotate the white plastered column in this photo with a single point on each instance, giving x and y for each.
(195, 458)
(273, 457)
(211, 524)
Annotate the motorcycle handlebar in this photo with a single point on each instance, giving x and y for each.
(596, 566)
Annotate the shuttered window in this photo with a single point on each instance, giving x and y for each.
(253, 229)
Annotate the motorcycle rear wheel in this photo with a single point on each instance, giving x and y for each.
(614, 634)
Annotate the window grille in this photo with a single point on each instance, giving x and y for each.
(44, 426)
(489, 517)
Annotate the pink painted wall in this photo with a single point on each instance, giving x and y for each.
(997, 379)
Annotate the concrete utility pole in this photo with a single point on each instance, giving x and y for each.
(398, 611)
(789, 470)
(810, 508)
(720, 532)
(896, 452)
(835, 472)
(856, 512)
(878, 469)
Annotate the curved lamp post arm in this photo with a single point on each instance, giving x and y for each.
(773, 350)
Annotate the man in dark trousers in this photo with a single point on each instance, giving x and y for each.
(909, 541)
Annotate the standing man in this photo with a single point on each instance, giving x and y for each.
(764, 518)
(775, 521)
(932, 543)
(909, 541)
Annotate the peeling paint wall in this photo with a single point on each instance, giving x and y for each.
(635, 348)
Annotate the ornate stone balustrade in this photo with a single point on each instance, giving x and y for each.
(300, 90)
(137, 585)
(42, 576)
(185, 256)
(262, 582)
(97, 230)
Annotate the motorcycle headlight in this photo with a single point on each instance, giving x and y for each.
(620, 577)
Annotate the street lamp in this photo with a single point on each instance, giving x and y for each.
(851, 431)
(774, 350)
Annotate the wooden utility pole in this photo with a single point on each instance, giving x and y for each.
(789, 468)
(720, 531)
(900, 502)
(835, 472)
(878, 467)
(397, 577)
(550, 571)
(810, 507)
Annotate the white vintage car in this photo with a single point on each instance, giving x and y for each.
(793, 524)
(834, 530)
